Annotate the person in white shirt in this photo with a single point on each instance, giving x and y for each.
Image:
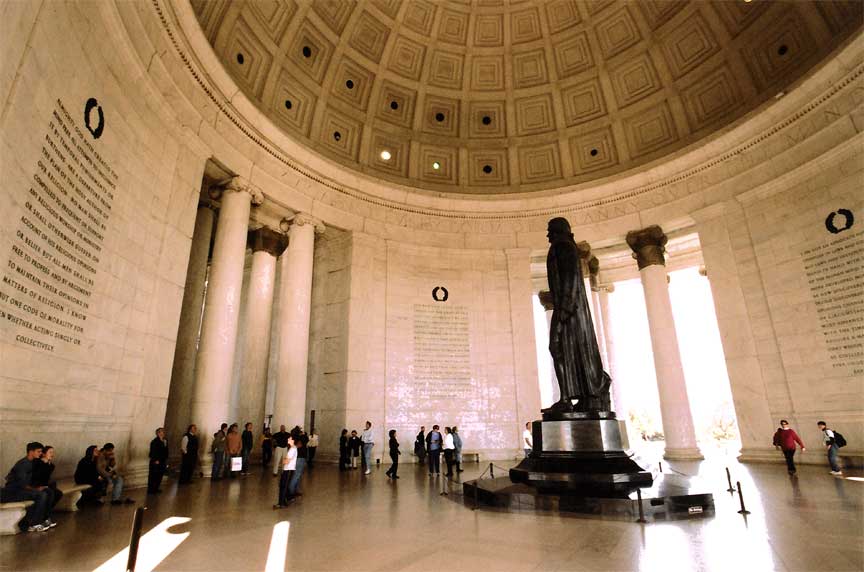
(289, 464)
(312, 447)
(449, 450)
(831, 446)
(368, 443)
(527, 440)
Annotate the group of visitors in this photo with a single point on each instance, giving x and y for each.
(231, 450)
(98, 468)
(786, 439)
(30, 480)
(292, 460)
(350, 449)
(431, 446)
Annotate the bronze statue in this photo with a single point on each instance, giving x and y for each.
(572, 342)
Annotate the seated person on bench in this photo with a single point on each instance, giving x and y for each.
(19, 487)
(43, 467)
(88, 474)
(106, 465)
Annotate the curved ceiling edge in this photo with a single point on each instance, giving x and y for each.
(812, 91)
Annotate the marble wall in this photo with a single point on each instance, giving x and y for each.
(385, 350)
(99, 192)
(790, 302)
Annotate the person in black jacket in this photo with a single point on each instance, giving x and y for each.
(420, 445)
(248, 440)
(343, 450)
(42, 469)
(86, 473)
(394, 455)
(189, 451)
(354, 443)
(158, 461)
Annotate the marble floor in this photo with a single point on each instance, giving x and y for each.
(346, 521)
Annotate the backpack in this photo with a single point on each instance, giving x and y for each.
(839, 439)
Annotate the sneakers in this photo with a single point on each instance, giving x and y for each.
(49, 523)
(37, 528)
(368, 472)
(836, 472)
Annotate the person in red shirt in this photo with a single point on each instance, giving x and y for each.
(786, 438)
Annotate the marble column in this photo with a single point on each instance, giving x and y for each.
(648, 247)
(295, 304)
(183, 370)
(546, 301)
(214, 363)
(267, 245)
(596, 313)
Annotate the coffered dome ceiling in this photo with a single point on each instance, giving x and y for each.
(503, 96)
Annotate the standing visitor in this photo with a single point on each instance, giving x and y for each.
(43, 467)
(313, 446)
(280, 441)
(218, 450)
(19, 487)
(189, 454)
(394, 455)
(433, 449)
(289, 464)
(106, 465)
(343, 450)
(266, 447)
(300, 442)
(420, 445)
(786, 438)
(829, 438)
(234, 446)
(158, 461)
(527, 440)
(457, 441)
(368, 444)
(449, 450)
(248, 441)
(354, 445)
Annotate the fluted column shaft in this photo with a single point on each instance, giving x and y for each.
(608, 349)
(183, 370)
(295, 306)
(546, 301)
(214, 363)
(649, 246)
(266, 245)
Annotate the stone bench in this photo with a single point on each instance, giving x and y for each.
(11, 514)
(473, 454)
(71, 495)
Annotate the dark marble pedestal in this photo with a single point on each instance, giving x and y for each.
(581, 453)
(669, 497)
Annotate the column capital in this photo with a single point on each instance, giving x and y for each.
(207, 204)
(268, 240)
(546, 300)
(302, 219)
(237, 185)
(648, 245)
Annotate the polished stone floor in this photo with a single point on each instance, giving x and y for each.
(353, 523)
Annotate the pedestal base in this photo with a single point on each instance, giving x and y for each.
(669, 497)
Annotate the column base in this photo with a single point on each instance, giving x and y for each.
(762, 455)
(688, 454)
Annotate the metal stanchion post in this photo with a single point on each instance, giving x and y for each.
(660, 464)
(491, 471)
(741, 498)
(641, 518)
(731, 489)
(137, 523)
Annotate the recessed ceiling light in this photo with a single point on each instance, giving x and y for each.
(436, 165)
(385, 155)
